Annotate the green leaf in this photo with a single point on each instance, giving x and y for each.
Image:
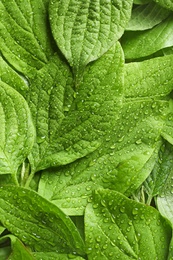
(80, 130)
(146, 16)
(165, 198)
(1, 229)
(154, 78)
(142, 44)
(165, 3)
(164, 203)
(86, 30)
(10, 77)
(19, 251)
(119, 228)
(130, 135)
(38, 223)
(167, 132)
(17, 131)
(162, 169)
(25, 39)
(49, 99)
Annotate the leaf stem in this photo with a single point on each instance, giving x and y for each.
(29, 179)
(14, 178)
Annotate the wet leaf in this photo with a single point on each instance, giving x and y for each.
(142, 44)
(17, 132)
(25, 39)
(119, 228)
(37, 222)
(146, 16)
(86, 30)
(130, 138)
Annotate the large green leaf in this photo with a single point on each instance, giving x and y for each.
(37, 222)
(131, 137)
(17, 132)
(25, 38)
(84, 30)
(141, 44)
(119, 228)
(50, 97)
(64, 136)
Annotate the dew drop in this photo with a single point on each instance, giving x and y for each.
(122, 209)
(135, 211)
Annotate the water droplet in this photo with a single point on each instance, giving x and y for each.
(113, 146)
(95, 206)
(121, 139)
(88, 188)
(122, 209)
(139, 141)
(135, 211)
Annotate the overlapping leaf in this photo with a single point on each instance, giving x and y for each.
(119, 228)
(19, 251)
(142, 44)
(50, 97)
(17, 132)
(146, 17)
(37, 222)
(84, 30)
(154, 78)
(161, 172)
(102, 128)
(130, 145)
(25, 38)
(10, 77)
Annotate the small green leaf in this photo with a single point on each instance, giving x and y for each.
(165, 198)
(119, 228)
(142, 44)
(85, 30)
(19, 251)
(37, 222)
(146, 16)
(162, 169)
(17, 132)
(10, 77)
